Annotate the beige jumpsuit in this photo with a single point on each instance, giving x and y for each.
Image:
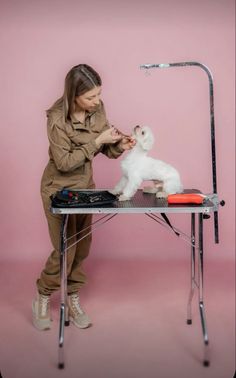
(71, 151)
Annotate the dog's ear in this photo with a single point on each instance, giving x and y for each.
(148, 141)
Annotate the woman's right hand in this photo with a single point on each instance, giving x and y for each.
(109, 136)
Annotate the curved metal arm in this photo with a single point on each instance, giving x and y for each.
(212, 120)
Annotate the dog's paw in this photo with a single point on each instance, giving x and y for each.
(112, 191)
(161, 195)
(122, 197)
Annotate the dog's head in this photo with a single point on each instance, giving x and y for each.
(144, 137)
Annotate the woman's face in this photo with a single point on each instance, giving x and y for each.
(89, 100)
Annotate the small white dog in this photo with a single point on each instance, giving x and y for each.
(138, 167)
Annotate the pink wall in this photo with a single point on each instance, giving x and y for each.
(40, 41)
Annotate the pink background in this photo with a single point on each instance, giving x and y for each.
(41, 41)
(136, 302)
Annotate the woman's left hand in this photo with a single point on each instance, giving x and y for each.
(127, 143)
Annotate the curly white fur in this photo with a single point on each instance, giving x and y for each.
(138, 167)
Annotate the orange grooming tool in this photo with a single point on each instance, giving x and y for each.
(184, 198)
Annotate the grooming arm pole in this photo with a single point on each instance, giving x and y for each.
(212, 121)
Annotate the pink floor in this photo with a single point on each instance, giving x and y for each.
(139, 327)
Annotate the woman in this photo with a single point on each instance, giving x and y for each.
(77, 131)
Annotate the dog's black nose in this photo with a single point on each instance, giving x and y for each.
(137, 127)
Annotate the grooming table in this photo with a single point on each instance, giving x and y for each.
(156, 209)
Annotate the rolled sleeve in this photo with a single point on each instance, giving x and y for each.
(112, 151)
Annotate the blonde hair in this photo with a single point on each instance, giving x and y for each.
(79, 80)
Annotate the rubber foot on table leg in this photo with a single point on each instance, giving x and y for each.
(61, 365)
(189, 321)
(206, 363)
(67, 323)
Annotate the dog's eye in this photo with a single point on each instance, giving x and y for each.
(143, 132)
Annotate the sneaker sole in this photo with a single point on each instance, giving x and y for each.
(78, 326)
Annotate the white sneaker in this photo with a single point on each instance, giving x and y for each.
(41, 312)
(76, 314)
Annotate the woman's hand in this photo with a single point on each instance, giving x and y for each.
(109, 136)
(127, 143)
(113, 135)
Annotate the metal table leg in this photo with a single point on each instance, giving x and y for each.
(199, 282)
(63, 276)
(193, 270)
(206, 361)
(64, 318)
